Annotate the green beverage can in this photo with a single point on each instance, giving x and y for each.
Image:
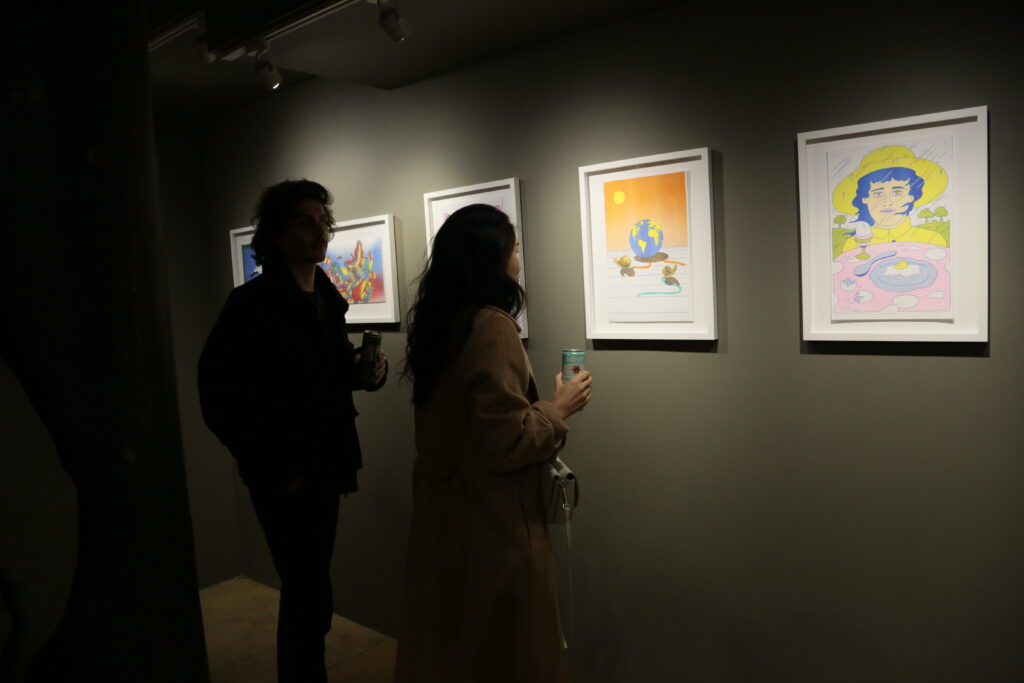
(368, 356)
(572, 363)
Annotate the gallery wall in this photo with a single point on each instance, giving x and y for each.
(210, 477)
(756, 509)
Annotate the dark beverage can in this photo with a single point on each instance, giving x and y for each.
(368, 356)
(572, 363)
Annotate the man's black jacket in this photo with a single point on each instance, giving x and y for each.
(275, 383)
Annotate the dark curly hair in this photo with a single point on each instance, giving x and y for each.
(466, 271)
(274, 210)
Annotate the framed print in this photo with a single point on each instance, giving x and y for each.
(894, 229)
(501, 194)
(648, 247)
(243, 263)
(360, 262)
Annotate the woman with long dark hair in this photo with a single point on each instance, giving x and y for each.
(480, 599)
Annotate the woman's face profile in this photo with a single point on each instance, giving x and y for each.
(513, 266)
(888, 201)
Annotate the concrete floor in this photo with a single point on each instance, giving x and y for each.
(240, 619)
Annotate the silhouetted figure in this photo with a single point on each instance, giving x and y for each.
(38, 532)
(275, 381)
(480, 600)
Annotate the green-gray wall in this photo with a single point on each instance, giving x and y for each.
(741, 521)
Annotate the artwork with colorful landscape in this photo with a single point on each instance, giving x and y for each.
(355, 267)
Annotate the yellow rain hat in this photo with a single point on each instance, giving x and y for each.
(892, 156)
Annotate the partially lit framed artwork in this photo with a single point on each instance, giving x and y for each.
(243, 263)
(501, 194)
(648, 247)
(894, 229)
(360, 262)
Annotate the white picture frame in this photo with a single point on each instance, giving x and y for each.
(243, 266)
(501, 194)
(894, 229)
(362, 265)
(375, 278)
(648, 247)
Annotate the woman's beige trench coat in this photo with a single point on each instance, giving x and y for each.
(480, 602)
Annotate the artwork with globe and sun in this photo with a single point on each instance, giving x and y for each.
(648, 247)
(646, 238)
(647, 272)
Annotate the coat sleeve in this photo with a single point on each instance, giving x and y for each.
(381, 383)
(509, 431)
(345, 350)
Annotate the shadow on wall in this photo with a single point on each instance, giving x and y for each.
(39, 539)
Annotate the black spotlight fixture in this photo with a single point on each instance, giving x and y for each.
(392, 22)
(269, 76)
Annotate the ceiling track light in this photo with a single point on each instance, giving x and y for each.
(269, 76)
(391, 21)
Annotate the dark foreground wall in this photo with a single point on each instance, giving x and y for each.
(83, 306)
(189, 265)
(740, 523)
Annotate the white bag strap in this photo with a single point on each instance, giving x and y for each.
(567, 509)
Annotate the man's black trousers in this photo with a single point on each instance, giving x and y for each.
(300, 528)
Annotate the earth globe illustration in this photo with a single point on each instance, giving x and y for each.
(646, 238)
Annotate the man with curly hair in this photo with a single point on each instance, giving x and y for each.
(275, 382)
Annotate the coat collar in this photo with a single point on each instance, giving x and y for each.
(282, 280)
(489, 307)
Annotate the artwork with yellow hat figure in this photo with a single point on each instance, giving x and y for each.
(892, 209)
(647, 276)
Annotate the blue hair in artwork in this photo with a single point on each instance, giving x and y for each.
(915, 181)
